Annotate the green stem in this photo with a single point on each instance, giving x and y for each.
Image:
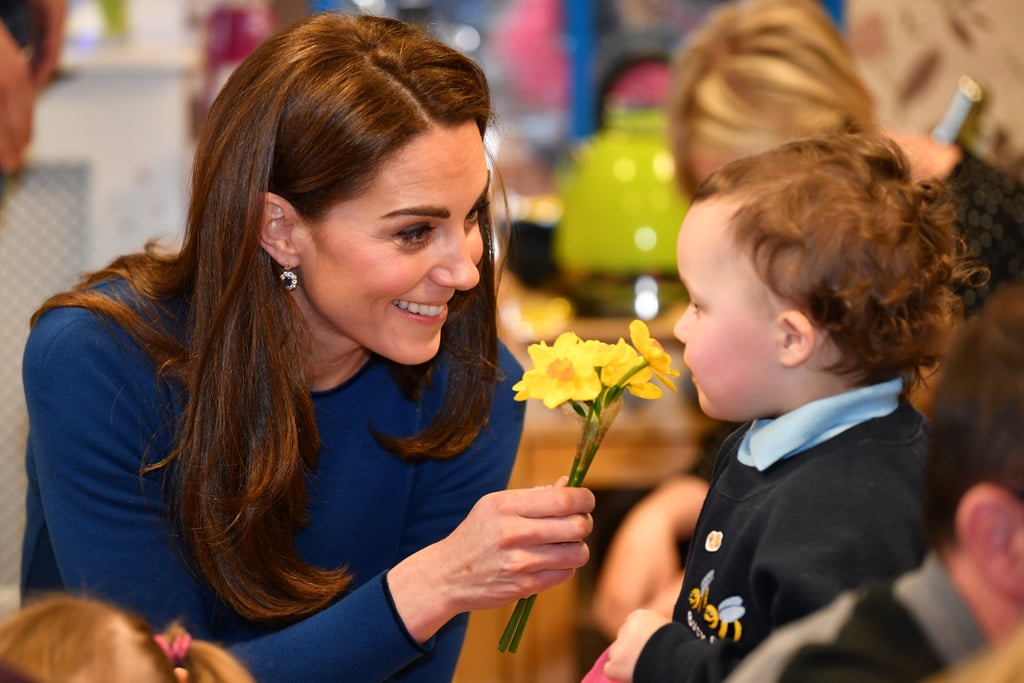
(589, 444)
(521, 628)
(513, 625)
(624, 380)
(581, 473)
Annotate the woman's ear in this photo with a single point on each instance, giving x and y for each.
(797, 337)
(280, 221)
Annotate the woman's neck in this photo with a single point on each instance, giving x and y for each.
(327, 373)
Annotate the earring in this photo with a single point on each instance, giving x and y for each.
(289, 278)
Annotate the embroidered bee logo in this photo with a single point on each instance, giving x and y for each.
(698, 597)
(727, 612)
(723, 618)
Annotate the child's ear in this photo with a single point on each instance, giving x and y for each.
(797, 336)
(277, 229)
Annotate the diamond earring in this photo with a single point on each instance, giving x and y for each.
(289, 278)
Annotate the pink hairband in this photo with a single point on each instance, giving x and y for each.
(176, 650)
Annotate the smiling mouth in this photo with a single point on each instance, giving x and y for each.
(420, 309)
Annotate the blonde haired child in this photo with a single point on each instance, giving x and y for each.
(62, 637)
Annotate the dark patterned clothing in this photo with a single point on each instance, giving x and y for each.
(990, 216)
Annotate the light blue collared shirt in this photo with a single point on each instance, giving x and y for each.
(770, 440)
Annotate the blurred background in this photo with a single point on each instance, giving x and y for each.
(580, 150)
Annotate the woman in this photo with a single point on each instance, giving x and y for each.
(285, 434)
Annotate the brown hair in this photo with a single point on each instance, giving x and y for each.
(978, 412)
(63, 637)
(311, 115)
(835, 225)
(759, 73)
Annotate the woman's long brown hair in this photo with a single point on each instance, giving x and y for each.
(311, 115)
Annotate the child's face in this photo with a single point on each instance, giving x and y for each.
(728, 329)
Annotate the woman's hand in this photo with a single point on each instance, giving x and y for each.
(511, 545)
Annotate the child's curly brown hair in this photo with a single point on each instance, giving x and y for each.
(836, 226)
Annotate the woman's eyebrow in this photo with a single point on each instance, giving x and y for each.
(431, 211)
(434, 211)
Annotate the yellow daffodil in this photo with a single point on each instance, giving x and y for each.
(588, 379)
(620, 361)
(563, 372)
(653, 352)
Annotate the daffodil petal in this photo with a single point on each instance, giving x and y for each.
(646, 390)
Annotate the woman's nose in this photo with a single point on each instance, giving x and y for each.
(458, 268)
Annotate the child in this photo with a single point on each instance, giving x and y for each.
(820, 277)
(64, 638)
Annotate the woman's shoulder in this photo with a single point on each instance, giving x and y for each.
(64, 329)
(73, 332)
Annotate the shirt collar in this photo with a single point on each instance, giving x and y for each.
(768, 441)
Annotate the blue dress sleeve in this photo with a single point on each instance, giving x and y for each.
(94, 525)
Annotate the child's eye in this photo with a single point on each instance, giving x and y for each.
(416, 235)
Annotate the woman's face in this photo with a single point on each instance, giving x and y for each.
(377, 274)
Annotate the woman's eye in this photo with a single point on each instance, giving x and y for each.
(473, 218)
(415, 235)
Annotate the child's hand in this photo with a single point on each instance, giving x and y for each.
(634, 634)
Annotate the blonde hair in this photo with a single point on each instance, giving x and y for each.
(63, 637)
(759, 73)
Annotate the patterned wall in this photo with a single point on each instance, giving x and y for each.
(912, 52)
(42, 249)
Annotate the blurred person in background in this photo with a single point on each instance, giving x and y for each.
(84, 640)
(31, 36)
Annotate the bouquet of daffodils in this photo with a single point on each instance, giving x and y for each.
(588, 379)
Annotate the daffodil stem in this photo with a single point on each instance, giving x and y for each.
(517, 622)
(588, 449)
(585, 453)
(523, 607)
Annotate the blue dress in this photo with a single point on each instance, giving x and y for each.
(94, 526)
